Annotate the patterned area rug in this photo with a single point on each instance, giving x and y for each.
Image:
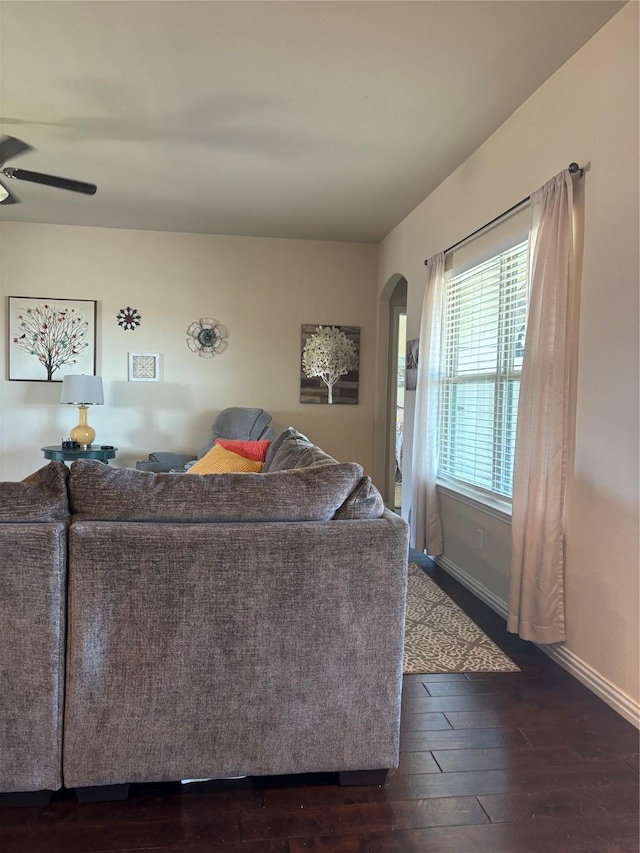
(440, 637)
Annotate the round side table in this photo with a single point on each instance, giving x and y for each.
(58, 453)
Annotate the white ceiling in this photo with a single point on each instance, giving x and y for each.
(320, 120)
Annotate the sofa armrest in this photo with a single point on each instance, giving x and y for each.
(33, 557)
(163, 461)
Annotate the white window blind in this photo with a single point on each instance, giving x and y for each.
(483, 343)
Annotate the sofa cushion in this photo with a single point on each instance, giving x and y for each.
(219, 460)
(365, 501)
(255, 450)
(294, 450)
(276, 444)
(42, 496)
(100, 492)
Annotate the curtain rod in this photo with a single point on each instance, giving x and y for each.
(573, 168)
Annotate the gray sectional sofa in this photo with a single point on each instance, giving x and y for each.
(219, 625)
(34, 517)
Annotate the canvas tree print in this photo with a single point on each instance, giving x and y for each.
(411, 365)
(51, 337)
(330, 364)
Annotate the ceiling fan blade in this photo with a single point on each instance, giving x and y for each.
(11, 147)
(6, 197)
(51, 181)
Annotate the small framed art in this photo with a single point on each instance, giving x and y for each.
(411, 365)
(144, 367)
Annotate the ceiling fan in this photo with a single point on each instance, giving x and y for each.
(11, 147)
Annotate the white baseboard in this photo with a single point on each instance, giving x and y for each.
(625, 705)
(474, 586)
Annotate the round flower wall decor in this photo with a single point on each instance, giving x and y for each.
(207, 337)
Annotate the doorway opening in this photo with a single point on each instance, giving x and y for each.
(395, 396)
(401, 321)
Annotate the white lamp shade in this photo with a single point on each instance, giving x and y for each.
(81, 390)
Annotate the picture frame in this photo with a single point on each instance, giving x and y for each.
(50, 337)
(411, 365)
(144, 367)
(344, 389)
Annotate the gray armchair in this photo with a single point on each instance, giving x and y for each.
(236, 422)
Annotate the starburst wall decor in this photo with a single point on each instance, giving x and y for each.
(128, 318)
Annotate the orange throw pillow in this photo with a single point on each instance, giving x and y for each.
(256, 450)
(219, 460)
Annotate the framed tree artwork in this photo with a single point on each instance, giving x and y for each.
(411, 365)
(330, 364)
(50, 337)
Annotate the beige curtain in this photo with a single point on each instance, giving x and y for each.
(426, 530)
(536, 598)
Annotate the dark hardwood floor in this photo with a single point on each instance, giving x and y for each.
(528, 762)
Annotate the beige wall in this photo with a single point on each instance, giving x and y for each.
(261, 289)
(587, 112)
(477, 541)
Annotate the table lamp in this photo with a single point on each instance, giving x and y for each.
(82, 391)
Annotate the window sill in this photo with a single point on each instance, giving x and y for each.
(486, 503)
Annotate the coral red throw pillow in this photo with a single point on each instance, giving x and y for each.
(255, 450)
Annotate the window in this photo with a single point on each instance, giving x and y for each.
(483, 343)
